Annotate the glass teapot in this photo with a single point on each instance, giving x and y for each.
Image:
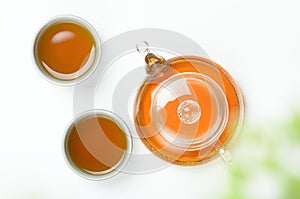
(189, 109)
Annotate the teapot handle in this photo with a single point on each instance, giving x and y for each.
(156, 65)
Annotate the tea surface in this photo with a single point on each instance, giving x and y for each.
(96, 144)
(65, 50)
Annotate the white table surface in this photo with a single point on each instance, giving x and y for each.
(257, 41)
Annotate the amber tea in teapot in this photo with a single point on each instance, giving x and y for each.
(188, 110)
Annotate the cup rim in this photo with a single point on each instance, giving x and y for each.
(120, 165)
(98, 50)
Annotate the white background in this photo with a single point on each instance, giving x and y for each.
(257, 41)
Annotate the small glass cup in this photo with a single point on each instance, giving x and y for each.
(117, 168)
(91, 68)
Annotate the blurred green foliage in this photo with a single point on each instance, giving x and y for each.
(258, 151)
(293, 127)
(291, 187)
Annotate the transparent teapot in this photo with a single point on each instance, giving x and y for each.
(189, 109)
